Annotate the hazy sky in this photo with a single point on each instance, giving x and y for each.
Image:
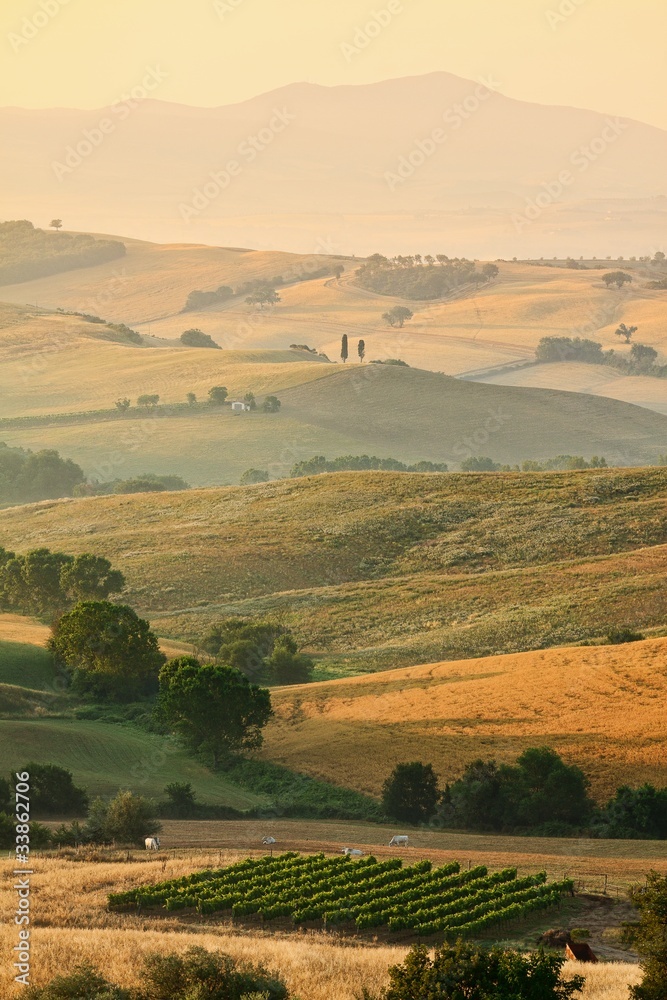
(599, 54)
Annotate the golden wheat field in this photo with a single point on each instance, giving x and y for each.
(600, 706)
(72, 926)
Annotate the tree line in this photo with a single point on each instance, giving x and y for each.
(540, 795)
(417, 277)
(46, 583)
(357, 463)
(640, 361)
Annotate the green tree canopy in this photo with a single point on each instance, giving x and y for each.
(649, 937)
(470, 972)
(53, 792)
(107, 650)
(266, 652)
(214, 708)
(42, 582)
(217, 395)
(410, 793)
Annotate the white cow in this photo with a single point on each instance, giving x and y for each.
(399, 841)
(152, 843)
(268, 840)
(352, 852)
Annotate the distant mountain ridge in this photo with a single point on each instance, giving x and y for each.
(433, 161)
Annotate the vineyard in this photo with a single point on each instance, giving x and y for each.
(363, 894)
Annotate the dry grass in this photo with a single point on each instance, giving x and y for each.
(602, 707)
(72, 925)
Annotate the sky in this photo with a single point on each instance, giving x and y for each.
(598, 54)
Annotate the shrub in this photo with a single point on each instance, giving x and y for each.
(197, 338)
(84, 983)
(213, 975)
(618, 636)
(129, 819)
(470, 972)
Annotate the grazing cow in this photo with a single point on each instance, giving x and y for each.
(152, 843)
(268, 840)
(399, 841)
(352, 852)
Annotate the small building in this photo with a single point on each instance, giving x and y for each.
(239, 407)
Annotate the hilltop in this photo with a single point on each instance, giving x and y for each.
(600, 707)
(383, 569)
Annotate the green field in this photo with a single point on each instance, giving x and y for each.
(26, 665)
(104, 758)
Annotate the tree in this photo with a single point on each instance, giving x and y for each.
(197, 338)
(626, 332)
(659, 256)
(338, 270)
(253, 476)
(214, 708)
(410, 793)
(53, 792)
(90, 577)
(635, 813)
(263, 296)
(618, 278)
(31, 583)
(643, 357)
(217, 395)
(130, 818)
(249, 400)
(271, 404)
(489, 271)
(286, 665)
(649, 937)
(50, 475)
(122, 404)
(56, 224)
(182, 804)
(107, 650)
(397, 316)
(343, 348)
(475, 973)
(361, 350)
(148, 399)
(191, 398)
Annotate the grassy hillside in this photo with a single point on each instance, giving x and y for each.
(389, 411)
(105, 757)
(154, 280)
(25, 665)
(384, 569)
(601, 707)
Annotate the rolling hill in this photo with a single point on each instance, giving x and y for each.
(306, 182)
(330, 410)
(600, 707)
(376, 570)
